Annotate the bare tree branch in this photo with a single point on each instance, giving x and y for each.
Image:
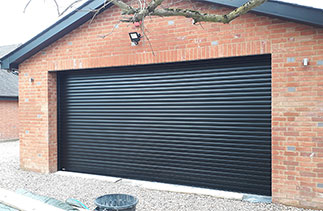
(97, 11)
(105, 35)
(199, 16)
(27, 5)
(57, 7)
(138, 14)
(70, 6)
(141, 5)
(143, 28)
(195, 15)
(126, 9)
(244, 9)
(144, 12)
(154, 4)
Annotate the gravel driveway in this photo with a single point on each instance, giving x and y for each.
(86, 190)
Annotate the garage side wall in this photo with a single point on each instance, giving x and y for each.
(297, 118)
(9, 124)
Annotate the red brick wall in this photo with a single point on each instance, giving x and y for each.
(9, 123)
(297, 94)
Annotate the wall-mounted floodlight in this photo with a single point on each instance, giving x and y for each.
(135, 37)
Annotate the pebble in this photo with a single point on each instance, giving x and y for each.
(87, 190)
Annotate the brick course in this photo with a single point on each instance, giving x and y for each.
(297, 100)
(9, 124)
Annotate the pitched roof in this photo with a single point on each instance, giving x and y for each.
(8, 80)
(8, 84)
(4, 50)
(298, 13)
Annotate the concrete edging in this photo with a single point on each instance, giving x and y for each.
(8, 140)
(174, 188)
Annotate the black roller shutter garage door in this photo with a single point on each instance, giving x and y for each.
(203, 123)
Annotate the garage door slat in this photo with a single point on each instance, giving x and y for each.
(175, 90)
(170, 74)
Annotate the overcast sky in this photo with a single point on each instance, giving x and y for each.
(18, 27)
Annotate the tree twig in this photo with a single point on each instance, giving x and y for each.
(27, 5)
(150, 45)
(57, 7)
(70, 6)
(97, 11)
(105, 35)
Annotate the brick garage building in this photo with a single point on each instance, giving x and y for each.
(8, 101)
(230, 107)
